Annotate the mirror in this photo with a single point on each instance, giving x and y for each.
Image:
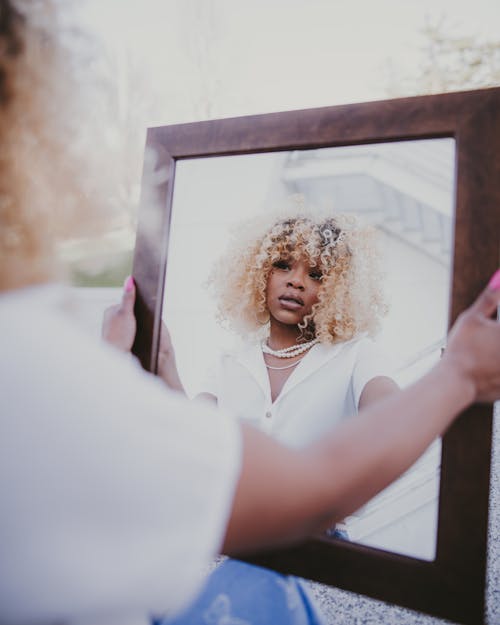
(422, 172)
(402, 189)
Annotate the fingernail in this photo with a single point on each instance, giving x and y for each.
(128, 285)
(494, 283)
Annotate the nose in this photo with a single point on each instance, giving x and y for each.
(296, 279)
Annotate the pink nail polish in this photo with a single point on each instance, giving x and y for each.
(494, 283)
(128, 284)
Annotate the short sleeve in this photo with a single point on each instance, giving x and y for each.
(371, 362)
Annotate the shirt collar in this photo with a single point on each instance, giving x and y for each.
(252, 359)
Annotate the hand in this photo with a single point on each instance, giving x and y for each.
(167, 366)
(119, 325)
(166, 349)
(474, 345)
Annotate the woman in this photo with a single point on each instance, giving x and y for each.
(104, 475)
(305, 291)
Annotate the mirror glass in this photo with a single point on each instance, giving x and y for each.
(405, 190)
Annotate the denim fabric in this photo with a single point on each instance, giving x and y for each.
(333, 532)
(238, 593)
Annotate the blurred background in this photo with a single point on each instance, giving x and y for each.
(173, 61)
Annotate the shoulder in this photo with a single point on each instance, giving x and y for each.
(355, 347)
(39, 333)
(121, 440)
(358, 353)
(366, 347)
(363, 346)
(226, 367)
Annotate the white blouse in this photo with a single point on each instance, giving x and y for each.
(115, 492)
(323, 389)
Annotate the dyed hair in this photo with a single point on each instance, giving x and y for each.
(350, 299)
(55, 178)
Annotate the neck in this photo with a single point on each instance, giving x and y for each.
(282, 335)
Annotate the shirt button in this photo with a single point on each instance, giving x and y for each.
(269, 414)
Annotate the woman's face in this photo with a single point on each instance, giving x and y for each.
(292, 290)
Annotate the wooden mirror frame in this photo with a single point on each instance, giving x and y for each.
(453, 585)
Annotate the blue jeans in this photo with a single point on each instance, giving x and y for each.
(238, 593)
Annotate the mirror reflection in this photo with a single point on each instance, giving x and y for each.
(403, 191)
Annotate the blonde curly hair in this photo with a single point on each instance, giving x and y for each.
(55, 174)
(350, 299)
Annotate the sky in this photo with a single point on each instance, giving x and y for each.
(220, 58)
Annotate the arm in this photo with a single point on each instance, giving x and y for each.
(376, 389)
(335, 476)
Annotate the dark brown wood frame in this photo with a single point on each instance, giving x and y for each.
(453, 585)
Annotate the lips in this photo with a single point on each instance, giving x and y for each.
(291, 301)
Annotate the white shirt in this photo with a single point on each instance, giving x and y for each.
(115, 492)
(323, 389)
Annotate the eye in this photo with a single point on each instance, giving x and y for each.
(281, 264)
(315, 274)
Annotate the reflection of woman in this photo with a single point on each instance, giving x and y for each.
(115, 493)
(307, 290)
(310, 290)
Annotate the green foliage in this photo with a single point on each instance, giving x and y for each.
(109, 272)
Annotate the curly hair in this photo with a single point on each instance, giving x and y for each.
(350, 299)
(53, 180)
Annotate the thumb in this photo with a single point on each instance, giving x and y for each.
(128, 297)
(488, 301)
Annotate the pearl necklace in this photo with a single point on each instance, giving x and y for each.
(294, 364)
(288, 352)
